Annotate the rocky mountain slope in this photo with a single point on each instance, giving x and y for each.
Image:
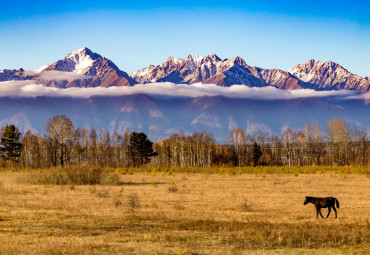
(80, 68)
(94, 71)
(14, 74)
(84, 68)
(212, 70)
(329, 76)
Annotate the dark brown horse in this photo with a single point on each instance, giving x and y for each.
(323, 202)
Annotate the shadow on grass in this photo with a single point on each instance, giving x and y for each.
(141, 183)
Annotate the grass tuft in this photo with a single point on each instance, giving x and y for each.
(133, 201)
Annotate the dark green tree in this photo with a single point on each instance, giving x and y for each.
(140, 149)
(10, 146)
(233, 158)
(257, 153)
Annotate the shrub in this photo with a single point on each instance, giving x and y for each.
(71, 176)
(117, 202)
(246, 205)
(133, 201)
(172, 189)
(102, 193)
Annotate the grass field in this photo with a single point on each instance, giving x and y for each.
(185, 213)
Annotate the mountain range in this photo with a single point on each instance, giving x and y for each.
(89, 69)
(160, 116)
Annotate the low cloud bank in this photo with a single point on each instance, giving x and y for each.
(61, 76)
(29, 88)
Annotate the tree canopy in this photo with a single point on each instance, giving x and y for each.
(62, 135)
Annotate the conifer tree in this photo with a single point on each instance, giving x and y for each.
(10, 146)
(140, 149)
(257, 153)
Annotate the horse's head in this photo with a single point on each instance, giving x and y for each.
(306, 201)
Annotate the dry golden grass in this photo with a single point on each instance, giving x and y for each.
(185, 214)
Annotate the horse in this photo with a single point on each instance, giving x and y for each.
(323, 202)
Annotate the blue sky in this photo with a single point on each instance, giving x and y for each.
(134, 34)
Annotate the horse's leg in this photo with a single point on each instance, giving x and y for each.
(317, 212)
(320, 213)
(335, 210)
(329, 210)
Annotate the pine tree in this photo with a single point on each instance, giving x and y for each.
(10, 146)
(257, 153)
(140, 149)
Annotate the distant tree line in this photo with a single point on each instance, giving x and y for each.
(65, 145)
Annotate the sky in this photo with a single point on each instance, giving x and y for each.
(135, 34)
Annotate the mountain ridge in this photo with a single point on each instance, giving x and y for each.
(99, 71)
(93, 70)
(329, 75)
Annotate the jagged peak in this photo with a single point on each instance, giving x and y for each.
(78, 61)
(238, 60)
(313, 64)
(196, 59)
(174, 60)
(83, 52)
(213, 57)
(314, 61)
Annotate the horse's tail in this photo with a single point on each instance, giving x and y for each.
(337, 202)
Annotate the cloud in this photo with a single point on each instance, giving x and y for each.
(363, 96)
(29, 88)
(61, 76)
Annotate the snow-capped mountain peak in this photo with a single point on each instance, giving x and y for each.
(95, 70)
(328, 75)
(195, 59)
(199, 60)
(79, 60)
(172, 61)
(89, 69)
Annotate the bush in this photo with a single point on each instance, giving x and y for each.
(71, 176)
(172, 189)
(133, 201)
(246, 205)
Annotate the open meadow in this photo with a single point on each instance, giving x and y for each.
(184, 213)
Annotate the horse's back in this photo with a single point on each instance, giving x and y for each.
(326, 201)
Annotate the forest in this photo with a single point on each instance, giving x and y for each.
(63, 144)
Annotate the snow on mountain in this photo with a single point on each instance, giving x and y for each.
(40, 69)
(84, 68)
(212, 70)
(328, 76)
(96, 71)
(78, 61)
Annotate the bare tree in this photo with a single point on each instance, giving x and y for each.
(237, 139)
(62, 135)
(338, 134)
